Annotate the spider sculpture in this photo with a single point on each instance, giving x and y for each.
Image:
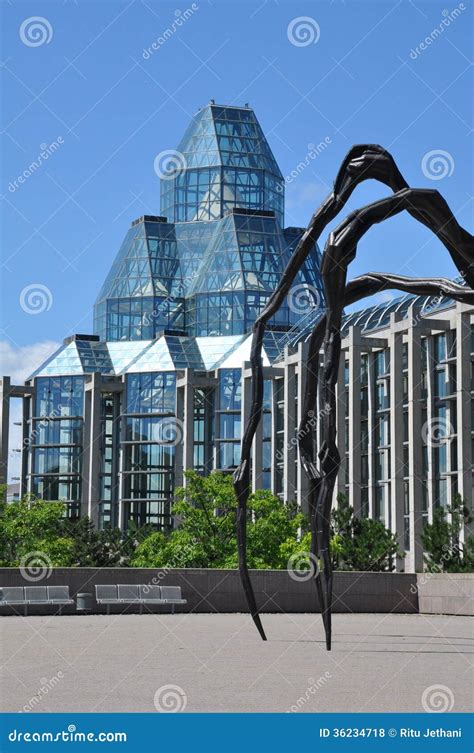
(428, 207)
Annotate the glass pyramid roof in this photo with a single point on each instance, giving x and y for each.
(166, 353)
(227, 136)
(222, 161)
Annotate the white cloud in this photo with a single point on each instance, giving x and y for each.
(18, 363)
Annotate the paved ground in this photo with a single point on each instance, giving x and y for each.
(218, 663)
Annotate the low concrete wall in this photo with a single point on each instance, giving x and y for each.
(275, 590)
(446, 593)
(221, 591)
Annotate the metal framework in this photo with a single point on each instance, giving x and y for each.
(363, 162)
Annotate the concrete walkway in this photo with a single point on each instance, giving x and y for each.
(216, 662)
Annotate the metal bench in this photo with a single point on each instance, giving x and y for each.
(141, 595)
(26, 596)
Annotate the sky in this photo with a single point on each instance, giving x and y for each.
(98, 87)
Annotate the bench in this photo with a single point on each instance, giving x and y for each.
(141, 594)
(25, 596)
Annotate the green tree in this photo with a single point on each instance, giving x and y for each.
(28, 526)
(205, 510)
(360, 543)
(271, 526)
(109, 547)
(443, 550)
(355, 543)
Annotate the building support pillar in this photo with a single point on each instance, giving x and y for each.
(354, 459)
(415, 557)
(4, 427)
(430, 417)
(289, 433)
(184, 453)
(26, 454)
(397, 498)
(463, 406)
(371, 416)
(341, 407)
(274, 470)
(92, 449)
(302, 481)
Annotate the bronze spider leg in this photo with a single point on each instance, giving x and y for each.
(362, 162)
(356, 290)
(427, 207)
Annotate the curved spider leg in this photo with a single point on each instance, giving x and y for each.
(427, 207)
(242, 476)
(362, 162)
(356, 290)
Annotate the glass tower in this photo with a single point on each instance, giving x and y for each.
(225, 162)
(208, 264)
(112, 422)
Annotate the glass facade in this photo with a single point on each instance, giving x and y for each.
(229, 416)
(208, 265)
(56, 440)
(149, 448)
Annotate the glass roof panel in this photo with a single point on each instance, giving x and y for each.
(64, 361)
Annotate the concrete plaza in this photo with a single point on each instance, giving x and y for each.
(216, 662)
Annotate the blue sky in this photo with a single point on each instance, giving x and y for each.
(111, 109)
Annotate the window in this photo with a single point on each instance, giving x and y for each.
(382, 400)
(151, 393)
(229, 426)
(52, 431)
(57, 460)
(439, 347)
(381, 362)
(59, 396)
(229, 455)
(440, 386)
(230, 393)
